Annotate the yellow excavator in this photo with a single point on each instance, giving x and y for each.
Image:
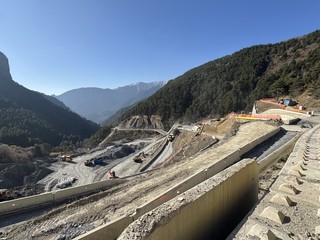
(140, 157)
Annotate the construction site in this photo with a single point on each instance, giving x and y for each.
(245, 176)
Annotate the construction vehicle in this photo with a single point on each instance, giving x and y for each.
(89, 163)
(66, 158)
(93, 162)
(3, 193)
(111, 174)
(170, 137)
(175, 132)
(140, 157)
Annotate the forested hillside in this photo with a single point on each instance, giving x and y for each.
(234, 82)
(28, 118)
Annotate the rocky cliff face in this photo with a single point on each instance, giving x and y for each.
(4, 68)
(27, 117)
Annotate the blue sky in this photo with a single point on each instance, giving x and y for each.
(54, 46)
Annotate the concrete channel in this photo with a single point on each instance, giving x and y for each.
(272, 144)
(291, 208)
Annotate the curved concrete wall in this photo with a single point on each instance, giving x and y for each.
(55, 196)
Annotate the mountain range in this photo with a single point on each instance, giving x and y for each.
(98, 104)
(28, 117)
(232, 83)
(290, 68)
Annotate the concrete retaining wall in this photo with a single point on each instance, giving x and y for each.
(288, 119)
(207, 211)
(173, 192)
(223, 163)
(108, 232)
(257, 141)
(84, 189)
(55, 196)
(27, 202)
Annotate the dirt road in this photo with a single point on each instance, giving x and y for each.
(129, 167)
(85, 174)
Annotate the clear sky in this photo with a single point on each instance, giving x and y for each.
(58, 45)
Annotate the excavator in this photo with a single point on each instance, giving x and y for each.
(140, 157)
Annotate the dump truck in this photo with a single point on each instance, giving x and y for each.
(175, 132)
(170, 137)
(93, 162)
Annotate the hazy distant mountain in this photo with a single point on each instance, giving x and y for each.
(98, 104)
(27, 117)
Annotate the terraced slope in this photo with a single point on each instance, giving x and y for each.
(291, 209)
